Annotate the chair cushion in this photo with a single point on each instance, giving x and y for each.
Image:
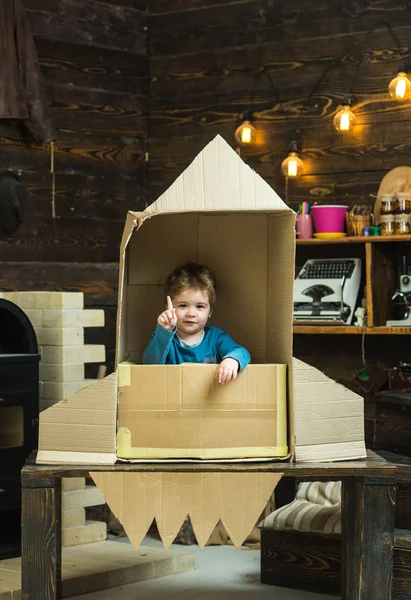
(316, 508)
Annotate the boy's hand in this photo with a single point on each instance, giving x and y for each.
(227, 370)
(168, 318)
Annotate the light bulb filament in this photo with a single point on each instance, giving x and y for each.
(246, 135)
(292, 168)
(400, 88)
(345, 122)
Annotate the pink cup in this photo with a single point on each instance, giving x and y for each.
(329, 218)
(304, 227)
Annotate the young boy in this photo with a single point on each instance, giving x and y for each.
(182, 334)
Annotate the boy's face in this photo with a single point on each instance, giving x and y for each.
(192, 310)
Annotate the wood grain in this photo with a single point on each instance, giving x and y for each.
(372, 466)
(369, 292)
(95, 68)
(259, 22)
(358, 239)
(41, 543)
(97, 281)
(74, 152)
(312, 561)
(164, 6)
(93, 56)
(349, 330)
(111, 112)
(305, 561)
(292, 63)
(322, 149)
(403, 508)
(64, 240)
(367, 522)
(393, 425)
(92, 196)
(341, 356)
(89, 22)
(401, 584)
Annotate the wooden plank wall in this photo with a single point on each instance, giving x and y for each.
(204, 56)
(93, 56)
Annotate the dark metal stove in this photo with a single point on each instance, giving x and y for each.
(19, 414)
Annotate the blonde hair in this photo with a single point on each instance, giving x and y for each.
(191, 276)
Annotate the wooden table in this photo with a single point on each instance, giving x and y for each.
(368, 510)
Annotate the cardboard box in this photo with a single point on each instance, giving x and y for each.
(220, 213)
(181, 411)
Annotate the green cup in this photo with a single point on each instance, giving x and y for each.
(374, 230)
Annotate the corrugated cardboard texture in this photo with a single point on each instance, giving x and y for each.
(221, 213)
(328, 418)
(181, 411)
(218, 180)
(237, 499)
(81, 428)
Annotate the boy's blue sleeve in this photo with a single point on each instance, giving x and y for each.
(227, 348)
(159, 346)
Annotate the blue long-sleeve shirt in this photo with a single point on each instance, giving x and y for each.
(165, 349)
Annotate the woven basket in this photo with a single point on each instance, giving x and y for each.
(355, 223)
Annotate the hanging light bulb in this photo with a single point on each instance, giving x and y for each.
(345, 119)
(245, 134)
(400, 86)
(292, 166)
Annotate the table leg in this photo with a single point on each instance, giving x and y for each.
(41, 539)
(368, 515)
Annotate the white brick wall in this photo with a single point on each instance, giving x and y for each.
(76, 495)
(58, 318)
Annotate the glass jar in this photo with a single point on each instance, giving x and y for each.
(403, 203)
(387, 225)
(387, 206)
(402, 224)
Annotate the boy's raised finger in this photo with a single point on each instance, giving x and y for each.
(169, 303)
(170, 315)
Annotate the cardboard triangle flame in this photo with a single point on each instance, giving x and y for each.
(207, 498)
(223, 214)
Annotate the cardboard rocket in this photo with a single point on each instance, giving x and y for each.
(219, 212)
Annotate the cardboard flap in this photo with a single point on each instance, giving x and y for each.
(180, 411)
(81, 428)
(328, 417)
(217, 180)
(245, 495)
(237, 499)
(128, 496)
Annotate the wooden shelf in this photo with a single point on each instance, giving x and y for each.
(356, 240)
(349, 330)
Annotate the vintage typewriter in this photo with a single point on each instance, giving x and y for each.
(326, 291)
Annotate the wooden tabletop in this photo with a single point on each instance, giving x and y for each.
(373, 465)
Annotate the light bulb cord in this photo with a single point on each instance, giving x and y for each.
(262, 71)
(336, 62)
(339, 60)
(378, 22)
